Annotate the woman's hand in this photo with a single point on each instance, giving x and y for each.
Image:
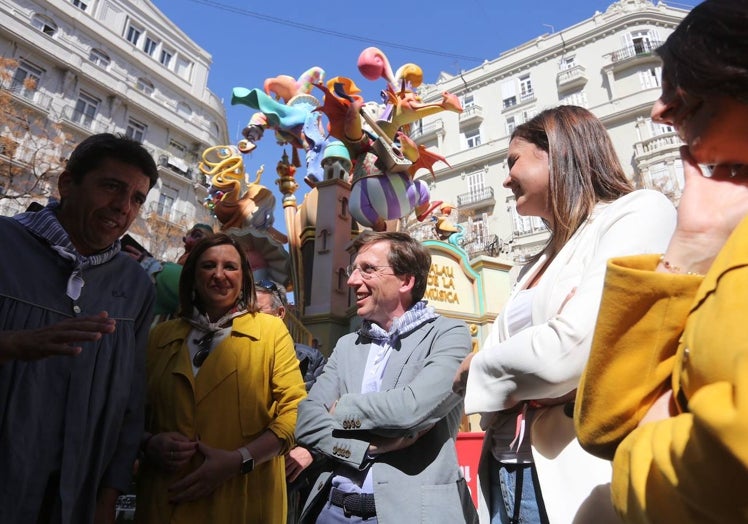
(660, 410)
(459, 384)
(219, 466)
(170, 451)
(709, 210)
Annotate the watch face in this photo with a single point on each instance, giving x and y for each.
(248, 465)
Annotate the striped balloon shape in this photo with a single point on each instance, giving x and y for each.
(387, 197)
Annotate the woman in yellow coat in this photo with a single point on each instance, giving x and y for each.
(223, 387)
(665, 392)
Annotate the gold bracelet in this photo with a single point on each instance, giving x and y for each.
(671, 268)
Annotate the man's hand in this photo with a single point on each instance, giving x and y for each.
(219, 466)
(60, 339)
(297, 460)
(170, 451)
(386, 445)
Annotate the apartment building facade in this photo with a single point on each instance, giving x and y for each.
(605, 64)
(94, 66)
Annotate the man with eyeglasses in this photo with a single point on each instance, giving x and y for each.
(383, 412)
(301, 464)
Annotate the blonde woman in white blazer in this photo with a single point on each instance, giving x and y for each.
(563, 168)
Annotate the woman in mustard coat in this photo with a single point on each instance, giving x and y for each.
(665, 392)
(223, 387)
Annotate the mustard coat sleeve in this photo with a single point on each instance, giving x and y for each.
(691, 468)
(641, 319)
(287, 386)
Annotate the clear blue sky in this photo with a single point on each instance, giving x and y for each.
(252, 41)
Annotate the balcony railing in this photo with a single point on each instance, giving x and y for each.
(426, 130)
(490, 246)
(570, 78)
(657, 143)
(643, 48)
(471, 114)
(31, 96)
(83, 120)
(168, 214)
(483, 196)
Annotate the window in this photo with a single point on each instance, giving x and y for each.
(524, 225)
(468, 101)
(26, 78)
(509, 94)
(184, 109)
(575, 99)
(150, 46)
(135, 130)
(80, 4)
(641, 41)
(567, 62)
(472, 138)
(44, 24)
(476, 182)
(511, 124)
(165, 201)
(144, 85)
(661, 129)
(525, 88)
(166, 56)
(183, 68)
(133, 34)
(177, 148)
(85, 109)
(99, 58)
(650, 78)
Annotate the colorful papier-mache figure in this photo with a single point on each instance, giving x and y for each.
(385, 160)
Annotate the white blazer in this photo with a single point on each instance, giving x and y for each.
(546, 360)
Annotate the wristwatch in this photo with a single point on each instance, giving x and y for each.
(248, 463)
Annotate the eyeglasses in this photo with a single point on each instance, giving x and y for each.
(204, 343)
(367, 271)
(270, 286)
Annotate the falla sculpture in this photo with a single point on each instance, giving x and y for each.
(385, 160)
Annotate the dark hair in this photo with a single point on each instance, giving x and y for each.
(584, 168)
(707, 54)
(407, 256)
(94, 150)
(187, 296)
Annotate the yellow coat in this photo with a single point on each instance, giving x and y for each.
(659, 331)
(250, 382)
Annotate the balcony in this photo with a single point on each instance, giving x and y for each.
(32, 98)
(573, 78)
(636, 54)
(165, 213)
(490, 246)
(175, 165)
(471, 115)
(427, 131)
(663, 143)
(83, 121)
(482, 197)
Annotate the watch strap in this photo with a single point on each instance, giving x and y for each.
(248, 463)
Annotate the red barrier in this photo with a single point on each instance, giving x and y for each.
(468, 456)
